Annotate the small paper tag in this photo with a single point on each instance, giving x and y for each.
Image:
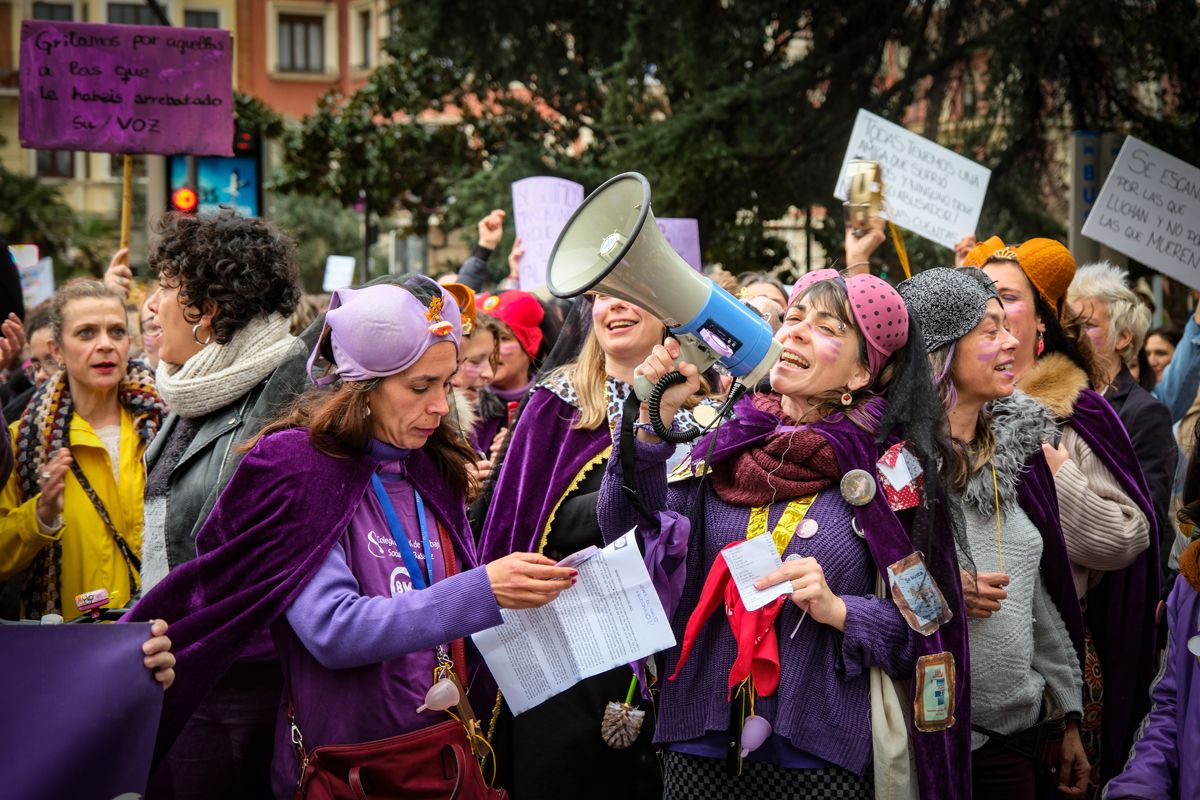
(753, 559)
(933, 705)
(917, 595)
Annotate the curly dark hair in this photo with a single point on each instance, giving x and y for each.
(244, 266)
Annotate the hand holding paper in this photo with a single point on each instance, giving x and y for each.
(748, 562)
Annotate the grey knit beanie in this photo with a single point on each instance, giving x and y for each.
(948, 303)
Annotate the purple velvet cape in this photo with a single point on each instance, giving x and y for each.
(544, 457)
(940, 756)
(1121, 608)
(269, 532)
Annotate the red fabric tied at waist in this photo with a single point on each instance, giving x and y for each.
(757, 644)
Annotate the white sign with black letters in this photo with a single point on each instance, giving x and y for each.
(1149, 209)
(927, 189)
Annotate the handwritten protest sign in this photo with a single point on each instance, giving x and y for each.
(126, 88)
(541, 207)
(1149, 209)
(683, 234)
(80, 711)
(929, 190)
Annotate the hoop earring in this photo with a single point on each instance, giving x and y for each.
(847, 398)
(196, 336)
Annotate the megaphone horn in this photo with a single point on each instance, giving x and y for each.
(612, 245)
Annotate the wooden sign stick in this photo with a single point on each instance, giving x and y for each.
(127, 204)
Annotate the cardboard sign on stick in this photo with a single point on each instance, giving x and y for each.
(1149, 209)
(126, 88)
(927, 189)
(541, 207)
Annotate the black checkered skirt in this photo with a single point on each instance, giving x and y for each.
(688, 777)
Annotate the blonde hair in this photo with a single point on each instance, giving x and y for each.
(589, 378)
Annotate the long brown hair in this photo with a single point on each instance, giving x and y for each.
(338, 425)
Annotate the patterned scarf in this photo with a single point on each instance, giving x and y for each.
(784, 466)
(44, 429)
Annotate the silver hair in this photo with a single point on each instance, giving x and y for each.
(1108, 282)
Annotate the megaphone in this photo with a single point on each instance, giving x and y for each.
(612, 245)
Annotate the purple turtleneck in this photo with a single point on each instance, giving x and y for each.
(357, 645)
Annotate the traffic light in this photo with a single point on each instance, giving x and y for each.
(184, 200)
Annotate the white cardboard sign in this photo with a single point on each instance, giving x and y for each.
(339, 273)
(1149, 209)
(927, 189)
(541, 207)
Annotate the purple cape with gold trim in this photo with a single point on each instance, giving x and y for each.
(544, 458)
(271, 529)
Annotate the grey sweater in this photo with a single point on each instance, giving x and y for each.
(1024, 647)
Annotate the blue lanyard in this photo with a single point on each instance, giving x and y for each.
(398, 533)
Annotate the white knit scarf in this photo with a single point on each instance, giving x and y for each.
(221, 373)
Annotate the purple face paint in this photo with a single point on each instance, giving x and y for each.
(828, 348)
(988, 351)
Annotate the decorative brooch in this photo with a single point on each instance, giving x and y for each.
(491, 302)
(437, 326)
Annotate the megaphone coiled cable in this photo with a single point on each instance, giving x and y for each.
(654, 404)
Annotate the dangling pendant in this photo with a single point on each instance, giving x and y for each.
(622, 722)
(755, 731)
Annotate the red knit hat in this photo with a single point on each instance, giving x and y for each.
(521, 312)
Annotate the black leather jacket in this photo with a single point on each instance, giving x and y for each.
(211, 458)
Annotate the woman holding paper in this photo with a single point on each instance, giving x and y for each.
(544, 501)
(344, 530)
(1027, 657)
(800, 685)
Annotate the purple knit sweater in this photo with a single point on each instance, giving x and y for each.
(823, 703)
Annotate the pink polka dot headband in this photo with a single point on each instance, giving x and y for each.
(878, 309)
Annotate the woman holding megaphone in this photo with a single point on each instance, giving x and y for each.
(834, 467)
(544, 501)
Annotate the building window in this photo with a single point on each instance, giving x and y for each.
(131, 14)
(301, 43)
(201, 19)
(56, 164)
(365, 42)
(116, 166)
(54, 12)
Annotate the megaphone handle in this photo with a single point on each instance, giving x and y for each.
(654, 401)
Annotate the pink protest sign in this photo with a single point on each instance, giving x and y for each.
(541, 207)
(126, 88)
(683, 234)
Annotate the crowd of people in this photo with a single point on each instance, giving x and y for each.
(981, 484)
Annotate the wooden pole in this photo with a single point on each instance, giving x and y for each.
(127, 205)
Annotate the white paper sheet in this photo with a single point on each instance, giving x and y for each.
(611, 616)
(753, 559)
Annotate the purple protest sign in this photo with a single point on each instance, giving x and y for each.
(126, 89)
(683, 234)
(80, 711)
(541, 207)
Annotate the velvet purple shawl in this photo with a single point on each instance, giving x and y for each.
(544, 457)
(269, 532)
(1120, 610)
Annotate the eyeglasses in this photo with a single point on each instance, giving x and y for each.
(33, 366)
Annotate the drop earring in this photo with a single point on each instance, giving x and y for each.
(847, 398)
(1041, 344)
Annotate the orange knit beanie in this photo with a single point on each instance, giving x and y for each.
(1050, 267)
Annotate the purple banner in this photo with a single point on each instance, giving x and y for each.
(541, 207)
(126, 89)
(80, 711)
(683, 234)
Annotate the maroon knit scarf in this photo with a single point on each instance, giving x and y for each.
(783, 466)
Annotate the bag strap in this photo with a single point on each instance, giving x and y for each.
(132, 562)
(458, 653)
